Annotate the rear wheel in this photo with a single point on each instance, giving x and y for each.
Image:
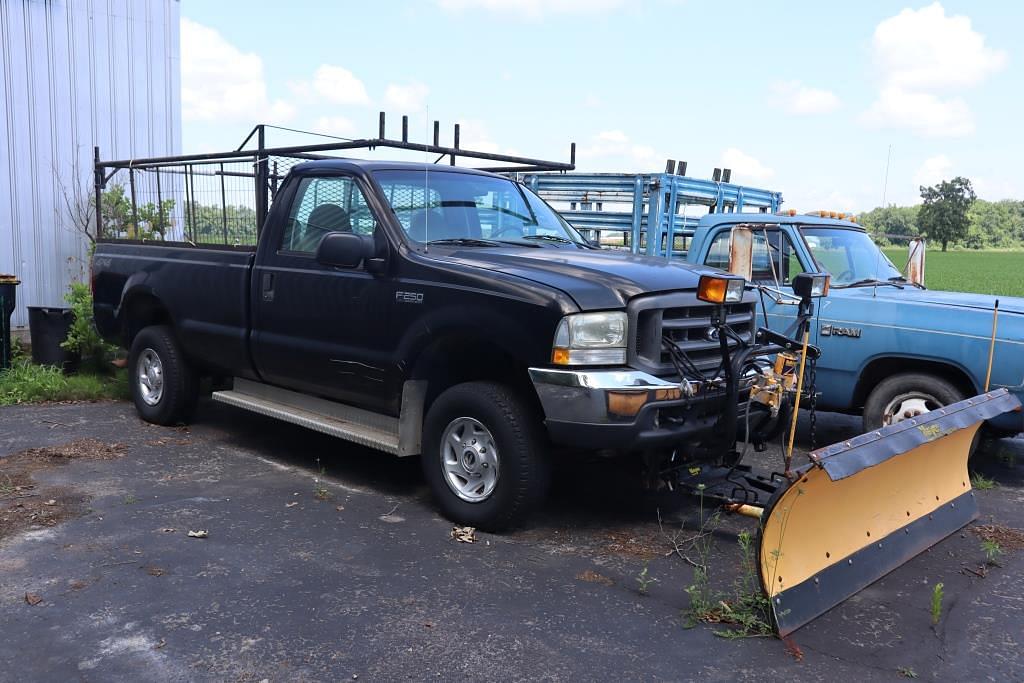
(164, 386)
(483, 456)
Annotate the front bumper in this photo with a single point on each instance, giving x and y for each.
(623, 408)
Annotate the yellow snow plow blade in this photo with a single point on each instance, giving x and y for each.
(863, 507)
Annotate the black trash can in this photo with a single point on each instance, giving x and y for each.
(8, 298)
(49, 328)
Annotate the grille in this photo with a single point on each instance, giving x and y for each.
(686, 321)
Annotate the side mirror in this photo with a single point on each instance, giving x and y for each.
(915, 262)
(741, 252)
(344, 249)
(811, 285)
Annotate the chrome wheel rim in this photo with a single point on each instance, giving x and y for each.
(150, 377)
(908, 406)
(469, 459)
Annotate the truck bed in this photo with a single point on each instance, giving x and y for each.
(211, 314)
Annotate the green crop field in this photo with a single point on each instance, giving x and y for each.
(986, 272)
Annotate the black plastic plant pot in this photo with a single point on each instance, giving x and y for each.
(8, 298)
(49, 328)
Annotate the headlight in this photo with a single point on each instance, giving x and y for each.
(811, 285)
(591, 339)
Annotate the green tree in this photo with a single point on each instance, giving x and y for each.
(888, 224)
(943, 215)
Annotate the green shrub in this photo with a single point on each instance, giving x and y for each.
(83, 337)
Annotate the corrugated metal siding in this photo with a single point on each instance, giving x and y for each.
(74, 74)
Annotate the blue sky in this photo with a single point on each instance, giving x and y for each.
(802, 97)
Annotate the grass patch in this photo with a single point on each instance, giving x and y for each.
(981, 482)
(25, 382)
(983, 272)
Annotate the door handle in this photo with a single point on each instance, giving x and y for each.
(267, 287)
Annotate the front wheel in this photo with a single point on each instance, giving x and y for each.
(483, 456)
(905, 396)
(164, 386)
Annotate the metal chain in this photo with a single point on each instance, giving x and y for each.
(812, 373)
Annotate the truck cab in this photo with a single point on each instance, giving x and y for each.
(890, 348)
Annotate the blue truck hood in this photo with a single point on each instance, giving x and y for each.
(911, 294)
(594, 279)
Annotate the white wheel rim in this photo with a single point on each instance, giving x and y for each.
(908, 406)
(469, 459)
(150, 377)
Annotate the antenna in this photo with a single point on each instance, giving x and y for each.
(885, 183)
(426, 178)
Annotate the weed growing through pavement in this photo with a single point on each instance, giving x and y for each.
(936, 607)
(992, 551)
(981, 482)
(745, 608)
(644, 579)
(320, 490)
(906, 672)
(130, 500)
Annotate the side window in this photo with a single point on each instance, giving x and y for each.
(323, 205)
(773, 256)
(718, 254)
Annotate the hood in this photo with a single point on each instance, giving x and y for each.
(594, 279)
(1007, 304)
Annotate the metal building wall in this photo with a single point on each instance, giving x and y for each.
(74, 74)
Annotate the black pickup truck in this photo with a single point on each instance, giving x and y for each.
(437, 311)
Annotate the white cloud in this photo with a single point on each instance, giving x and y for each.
(923, 113)
(612, 150)
(934, 170)
(745, 168)
(406, 98)
(334, 125)
(338, 85)
(219, 82)
(926, 50)
(796, 98)
(922, 57)
(532, 9)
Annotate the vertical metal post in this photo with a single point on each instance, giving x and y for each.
(381, 132)
(223, 205)
(638, 213)
(98, 189)
(456, 142)
(135, 210)
(160, 205)
(437, 133)
(405, 129)
(654, 219)
(190, 199)
(670, 211)
(261, 171)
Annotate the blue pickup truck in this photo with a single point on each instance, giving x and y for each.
(891, 349)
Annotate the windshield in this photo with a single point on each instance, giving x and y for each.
(849, 256)
(472, 210)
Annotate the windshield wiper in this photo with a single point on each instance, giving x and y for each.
(466, 242)
(870, 281)
(901, 279)
(548, 238)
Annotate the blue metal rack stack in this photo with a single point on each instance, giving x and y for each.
(618, 208)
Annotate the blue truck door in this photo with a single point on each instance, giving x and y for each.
(315, 326)
(775, 262)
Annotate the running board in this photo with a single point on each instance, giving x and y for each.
(337, 419)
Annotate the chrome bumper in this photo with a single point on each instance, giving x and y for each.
(603, 396)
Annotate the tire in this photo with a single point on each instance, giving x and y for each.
(916, 392)
(168, 392)
(497, 469)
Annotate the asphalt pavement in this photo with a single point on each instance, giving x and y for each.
(326, 561)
